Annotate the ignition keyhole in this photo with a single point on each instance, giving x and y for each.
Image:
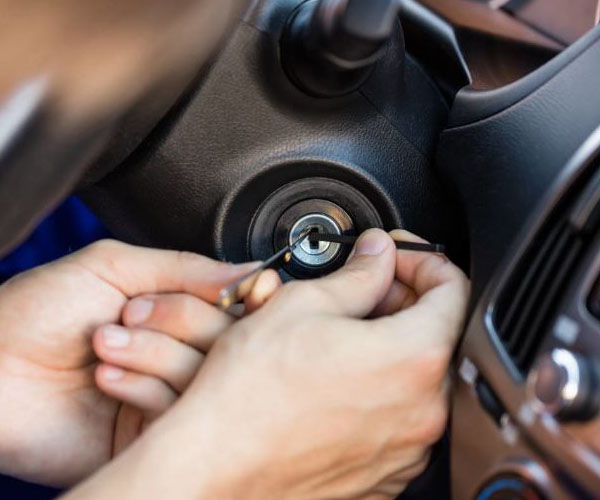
(314, 245)
(315, 253)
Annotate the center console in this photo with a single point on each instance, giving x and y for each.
(526, 421)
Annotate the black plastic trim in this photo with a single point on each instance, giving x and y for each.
(471, 106)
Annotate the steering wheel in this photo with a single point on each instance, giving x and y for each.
(456, 121)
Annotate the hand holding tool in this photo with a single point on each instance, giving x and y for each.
(400, 245)
(235, 292)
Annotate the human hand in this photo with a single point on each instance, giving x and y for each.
(57, 426)
(151, 358)
(305, 399)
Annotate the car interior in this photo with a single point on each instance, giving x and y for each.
(227, 127)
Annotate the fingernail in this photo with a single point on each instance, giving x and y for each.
(112, 373)
(115, 337)
(139, 310)
(371, 243)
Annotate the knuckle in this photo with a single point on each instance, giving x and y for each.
(141, 343)
(103, 257)
(297, 289)
(432, 367)
(302, 293)
(187, 309)
(358, 276)
(317, 292)
(190, 260)
(434, 423)
(158, 354)
(459, 280)
(325, 297)
(102, 247)
(172, 313)
(147, 344)
(446, 322)
(180, 307)
(457, 274)
(227, 345)
(159, 398)
(419, 467)
(185, 257)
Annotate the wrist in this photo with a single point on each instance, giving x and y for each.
(165, 463)
(196, 461)
(170, 457)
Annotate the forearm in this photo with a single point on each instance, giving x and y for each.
(134, 475)
(157, 466)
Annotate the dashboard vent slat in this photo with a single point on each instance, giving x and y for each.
(512, 320)
(528, 301)
(527, 304)
(566, 258)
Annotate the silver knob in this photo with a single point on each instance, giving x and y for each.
(565, 385)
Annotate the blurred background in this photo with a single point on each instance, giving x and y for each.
(67, 229)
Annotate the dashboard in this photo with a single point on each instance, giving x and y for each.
(467, 130)
(560, 20)
(472, 110)
(526, 410)
(528, 403)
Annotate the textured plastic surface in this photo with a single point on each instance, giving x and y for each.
(538, 440)
(475, 105)
(503, 165)
(248, 127)
(248, 124)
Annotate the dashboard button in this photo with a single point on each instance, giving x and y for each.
(488, 400)
(508, 488)
(594, 300)
(565, 385)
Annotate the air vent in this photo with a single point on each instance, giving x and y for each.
(528, 302)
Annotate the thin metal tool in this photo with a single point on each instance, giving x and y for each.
(233, 293)
(315, 237)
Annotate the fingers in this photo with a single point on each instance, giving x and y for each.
(148, 353)
(129, 425)
(359, 286)
(442, 292)
(422, 271)
(401, 294)
(151, 395)
(136, 270)
(398, 297)
(440, 285)
(264, 288)
(182, 316)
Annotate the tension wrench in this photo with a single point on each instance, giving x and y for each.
(315, 237)
(233, 293)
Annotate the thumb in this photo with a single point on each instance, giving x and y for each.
(136, 270)
(363, 282)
